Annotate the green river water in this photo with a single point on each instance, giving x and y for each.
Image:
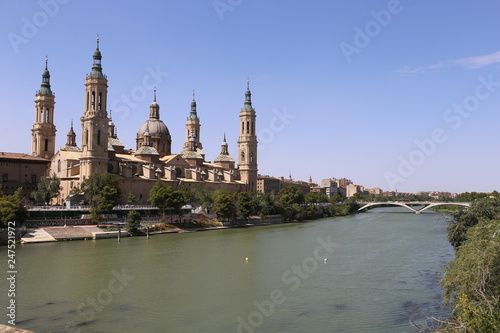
(370, 272)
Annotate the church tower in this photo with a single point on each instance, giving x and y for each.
(247, 143)
(95, 121)
(193, 127)
(43, 130)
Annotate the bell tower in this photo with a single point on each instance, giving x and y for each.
(44, 130)
(193, 127)
(247, 143)
(95, 121)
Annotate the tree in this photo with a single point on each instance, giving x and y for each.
(131, 199)
(93, 186)
(47, 189)
(224, 205)
(290, 194)
(244, 203)
(165, 197)
(463, 219)
(472, 280)
(102, 192)
(12, 208)
(289, 199)
(133, 222)
(315, 197)
(159, 196)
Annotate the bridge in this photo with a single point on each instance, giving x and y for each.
(408, 204)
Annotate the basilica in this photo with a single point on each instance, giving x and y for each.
(101, 150)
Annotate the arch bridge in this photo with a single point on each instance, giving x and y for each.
(408, 204)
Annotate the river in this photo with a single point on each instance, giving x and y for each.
(370, 272)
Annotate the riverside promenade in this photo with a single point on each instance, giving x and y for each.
(53, 234)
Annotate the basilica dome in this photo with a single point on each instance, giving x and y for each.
(155, 127)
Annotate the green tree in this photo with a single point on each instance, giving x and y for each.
(159, 196)
(336, 198)
(133, 222)
(131, 199)
(316, 197)
(47, 189)
(165, 197)
(102, 192)
(290, 194)
(472, 280)
(93, 186)
(12, 208)
(204, 197)
(289, 199)
(463, 219)
(244, 203)
(223, 205)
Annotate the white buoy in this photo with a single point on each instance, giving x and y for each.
(246, 259)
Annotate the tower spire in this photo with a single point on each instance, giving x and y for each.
(96, 66)
(45, 86)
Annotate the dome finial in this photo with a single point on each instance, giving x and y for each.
(71, 124)
(154, 95)
(248, 83)
(193, 94)
(97, 40)
(46, 62)
(224, 136)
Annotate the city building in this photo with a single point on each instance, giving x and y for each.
(268, 184)
(21, 170)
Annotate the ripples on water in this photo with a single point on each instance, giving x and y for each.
(384, 271)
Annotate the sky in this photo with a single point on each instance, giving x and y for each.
(401, 95)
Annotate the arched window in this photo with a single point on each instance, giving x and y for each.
(86, 137)
(248, 127)
(99, 137)
(46, 144)
(242, 127)
(99, 101)
(58, 165)
(251, 157)
(242, 156)
(253, 127)
(40, 119)
(93, 100)
(47, 116)
(88, 99)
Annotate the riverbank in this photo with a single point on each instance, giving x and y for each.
(86, 232)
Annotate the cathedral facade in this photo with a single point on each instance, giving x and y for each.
(138, 169)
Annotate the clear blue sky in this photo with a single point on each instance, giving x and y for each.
(357, 89)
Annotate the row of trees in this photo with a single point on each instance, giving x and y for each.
(472, 280)
(289, 202)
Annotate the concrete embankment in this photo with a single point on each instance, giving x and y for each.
(53, 234)
(10, 329)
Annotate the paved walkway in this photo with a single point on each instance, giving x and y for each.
(37, 235)
(69, 232)
(52, 234)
